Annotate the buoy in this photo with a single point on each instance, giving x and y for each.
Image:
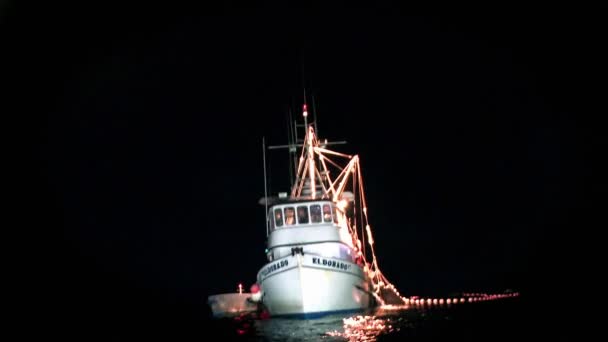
(256, 294)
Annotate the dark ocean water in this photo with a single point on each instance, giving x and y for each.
(504, 320)
(509, 319)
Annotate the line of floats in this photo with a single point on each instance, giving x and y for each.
(466, 298)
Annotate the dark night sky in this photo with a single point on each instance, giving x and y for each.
(472, 125)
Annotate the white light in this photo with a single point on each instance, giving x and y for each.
(369, 235)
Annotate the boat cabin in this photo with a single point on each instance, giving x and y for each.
(301, 214)
(312, 226)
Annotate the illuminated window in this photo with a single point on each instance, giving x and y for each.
(278, 218)
(326, 213)
(335, 214)
(290, 216)
(315, 213)
(302, 214)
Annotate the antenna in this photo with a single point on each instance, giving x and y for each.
(290, 151)
(305, 113)
(314, 113)
(265, 191)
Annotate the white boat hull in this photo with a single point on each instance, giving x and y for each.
(309, 285)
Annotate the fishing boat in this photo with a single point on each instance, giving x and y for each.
(320, 248)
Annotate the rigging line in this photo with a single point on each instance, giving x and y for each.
(324, 150)
(363, 221)
(305, 165)
(303, 143)
(339, 178)
(321, 182)
(377, 271)
(302, 179)
(348, 169)
(362, 192)
(355, 207)
(327, 177)
(330, 161)
(300, 165)
(311, 163)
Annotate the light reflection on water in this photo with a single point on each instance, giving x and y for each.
(472, 322)
(362, 327)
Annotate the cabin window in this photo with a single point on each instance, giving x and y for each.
(326, 213)
(302, 214)
(315, 213)
(278, 218)
(290, 216)
(335, 214)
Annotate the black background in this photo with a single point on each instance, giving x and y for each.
(475, 126)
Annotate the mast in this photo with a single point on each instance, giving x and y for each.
(311, 175)
(314, 174)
